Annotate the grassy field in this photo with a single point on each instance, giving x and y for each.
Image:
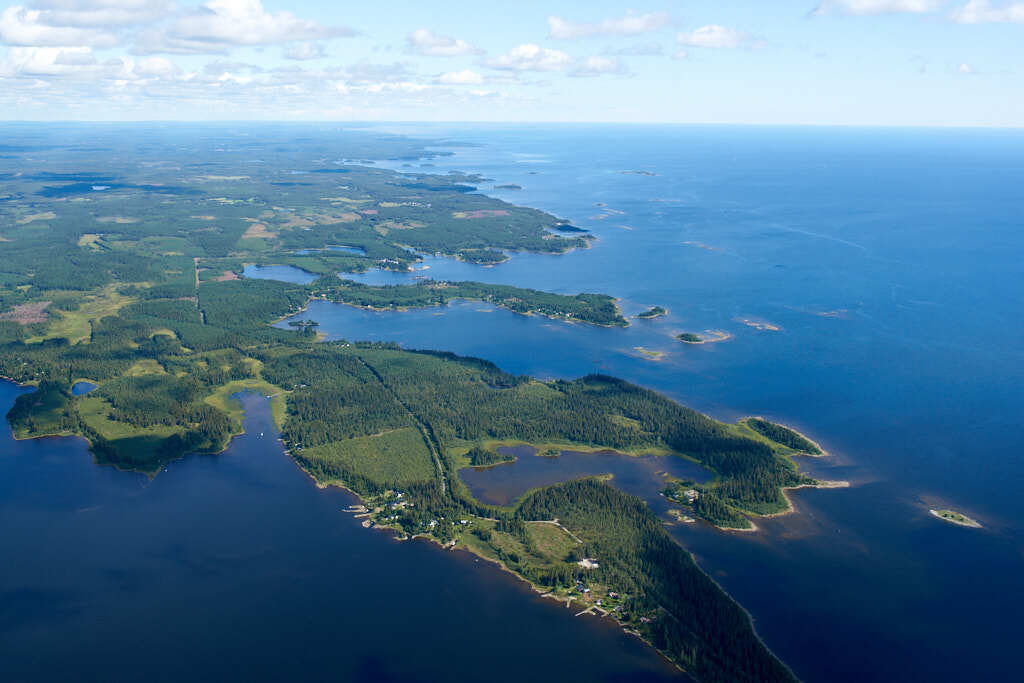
(550, 540)
(76, 326)
(397, 456)
(146, 366)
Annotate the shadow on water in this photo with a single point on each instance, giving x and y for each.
(237, 567)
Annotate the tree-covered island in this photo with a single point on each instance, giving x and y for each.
(135, 288)
(651, 313)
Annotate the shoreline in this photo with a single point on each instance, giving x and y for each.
(150, 474)
(791, 508)
(400, 536)
(788, 510)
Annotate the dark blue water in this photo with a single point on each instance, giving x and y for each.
(237, 567)
(889, 260)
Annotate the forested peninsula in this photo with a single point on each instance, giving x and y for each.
(135, 288)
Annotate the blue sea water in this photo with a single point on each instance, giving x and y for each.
(890, 262)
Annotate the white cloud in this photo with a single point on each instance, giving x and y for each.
(966, 68)
(24, 27)
(982, 12)
(305, 51)
(79, 64)
(713, 36)
(221, 24)
(160, 67)
(401, 87)
(48, 80)
(465, 77)
(30, 62)
(862, 7)
(75, 57)
(428, 44)
(629, 25)
(599, 66)
(102, 13)
(220, 66)
(531, 57)
(367, 72)
(638, 50)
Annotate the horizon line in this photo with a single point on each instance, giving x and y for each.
(731, 124)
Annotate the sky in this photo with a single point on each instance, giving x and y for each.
(818, 62)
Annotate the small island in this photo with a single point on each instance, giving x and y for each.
(648, 353)
(709, 337)
(762, 325)
(508, 186)
(651, 313)
(954, 517)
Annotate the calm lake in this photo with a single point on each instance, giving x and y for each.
(642, 476)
